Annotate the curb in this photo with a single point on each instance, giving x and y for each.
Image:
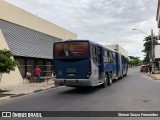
(51, 87)
(17, 95)
(39, 90)
(22, 94)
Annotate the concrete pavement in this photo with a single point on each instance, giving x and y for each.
(27, 88)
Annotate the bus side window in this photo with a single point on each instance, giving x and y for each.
(98, 54)
(124, 60)
(105, 56)
(112, 56)
(93, 51)
(109, 58)
(97, 51)
(94, 57)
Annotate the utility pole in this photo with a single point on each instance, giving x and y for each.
(152, 55)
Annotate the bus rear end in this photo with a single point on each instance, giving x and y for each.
(71, 63)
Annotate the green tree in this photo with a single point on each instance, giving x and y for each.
(147, 47)
(7, 64)
(134, 61)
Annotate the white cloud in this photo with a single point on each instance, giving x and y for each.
(102, 21)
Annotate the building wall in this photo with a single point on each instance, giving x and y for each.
(119, 49)
(27, 64)
(158, 14)
(21, 17)
(14, 77)
(158, 17)
(30, 47)
(30, 38)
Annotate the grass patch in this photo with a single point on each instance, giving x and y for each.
(4, 95)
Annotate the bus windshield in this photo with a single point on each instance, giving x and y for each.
(71, 49)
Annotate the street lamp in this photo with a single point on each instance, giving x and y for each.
(140, 31)
(152, 48)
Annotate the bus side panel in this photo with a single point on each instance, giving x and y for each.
(114, 75)
(118, 65)
(94, 78)
(107, 67)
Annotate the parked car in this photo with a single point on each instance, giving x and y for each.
(144, 68)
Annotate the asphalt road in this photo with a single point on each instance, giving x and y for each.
(135, 92)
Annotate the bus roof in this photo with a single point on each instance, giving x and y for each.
(91, 42)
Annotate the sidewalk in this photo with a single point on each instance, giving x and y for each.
(27, 88)
(155, 76)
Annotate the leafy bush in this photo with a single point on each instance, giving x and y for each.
(7, 63)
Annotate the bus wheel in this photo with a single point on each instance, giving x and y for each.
(105, 81)
(122, 75)
(125, 74)
(110, 79)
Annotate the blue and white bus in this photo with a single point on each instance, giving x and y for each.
(85, 63)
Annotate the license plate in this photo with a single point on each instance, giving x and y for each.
(71, 75)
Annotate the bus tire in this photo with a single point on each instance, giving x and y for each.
(121, 76)
(125, 74)
(110, 79)
(105, 81)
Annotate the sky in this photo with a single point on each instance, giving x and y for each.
(103, 21)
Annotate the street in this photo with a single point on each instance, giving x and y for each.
(135, 92)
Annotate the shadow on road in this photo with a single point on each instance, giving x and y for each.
(88, 90)
(82, 90)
